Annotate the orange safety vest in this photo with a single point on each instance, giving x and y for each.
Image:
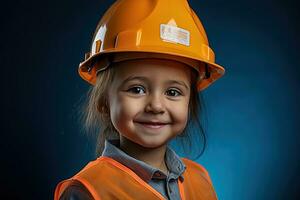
(107, 179)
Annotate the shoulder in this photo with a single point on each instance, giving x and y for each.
(195, 167)
(76, 191)
(82, 183)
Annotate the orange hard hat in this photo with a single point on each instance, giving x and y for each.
(132, 29)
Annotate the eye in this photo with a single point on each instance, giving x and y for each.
(136, 90)
(173, 93)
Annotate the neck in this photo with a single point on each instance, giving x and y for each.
(152, 156)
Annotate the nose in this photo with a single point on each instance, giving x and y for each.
(155, 104)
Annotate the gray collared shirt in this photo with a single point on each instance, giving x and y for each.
(165, 184)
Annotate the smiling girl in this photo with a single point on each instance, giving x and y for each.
(146, 74)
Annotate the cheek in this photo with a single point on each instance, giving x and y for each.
(123, 110)
(180, 113)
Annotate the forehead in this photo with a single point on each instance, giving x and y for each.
(158, 69)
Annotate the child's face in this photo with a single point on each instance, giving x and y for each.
(146, 91)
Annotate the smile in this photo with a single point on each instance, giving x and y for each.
(152, 125)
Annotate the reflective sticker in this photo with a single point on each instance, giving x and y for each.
(174, 34)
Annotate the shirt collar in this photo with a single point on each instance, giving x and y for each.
(145, 171)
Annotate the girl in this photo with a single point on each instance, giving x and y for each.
(148, 61)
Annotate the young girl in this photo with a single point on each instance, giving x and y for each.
(148, 61)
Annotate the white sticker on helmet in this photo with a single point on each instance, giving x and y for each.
(174, 34)
(99, 36)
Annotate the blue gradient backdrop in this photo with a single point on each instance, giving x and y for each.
(252, 112)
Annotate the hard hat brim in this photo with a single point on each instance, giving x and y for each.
(88, 69)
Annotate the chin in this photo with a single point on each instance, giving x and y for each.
(152, 142)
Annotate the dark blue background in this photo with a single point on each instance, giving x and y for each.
(253, 124)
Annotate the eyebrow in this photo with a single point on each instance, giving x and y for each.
(130, 78)
(178, 82)
(142, 78)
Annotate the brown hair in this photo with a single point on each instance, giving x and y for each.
(95, 114)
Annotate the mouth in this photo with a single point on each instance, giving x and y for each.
(153, 125)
